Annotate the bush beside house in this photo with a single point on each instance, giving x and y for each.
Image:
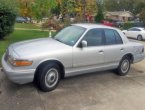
(7, 18)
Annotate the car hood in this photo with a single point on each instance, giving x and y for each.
(38, 47)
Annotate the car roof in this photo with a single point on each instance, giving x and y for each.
(90, 26)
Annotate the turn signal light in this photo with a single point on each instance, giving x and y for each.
(22, 63)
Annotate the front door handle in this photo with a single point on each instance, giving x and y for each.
(122, 49)
(101, 51)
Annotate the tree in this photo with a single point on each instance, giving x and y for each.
(25, 8)
(142, 15)
(139, 7)
(134, 6)
(42, 8)
(56, 10)
(84, 8)
(8, 14)
(100, 15)
(120, 5)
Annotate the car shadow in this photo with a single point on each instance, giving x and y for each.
(70, 82)
(133, 39)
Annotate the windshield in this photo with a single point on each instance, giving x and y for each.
(70, 35)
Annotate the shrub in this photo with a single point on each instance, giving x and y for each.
(52, 24)
(7, 17)
(128, 25)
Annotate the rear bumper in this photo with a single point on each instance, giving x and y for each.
(18, 76)
(138, 58)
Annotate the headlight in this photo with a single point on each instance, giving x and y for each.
(19, 63)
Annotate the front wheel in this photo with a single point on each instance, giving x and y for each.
(124, 66)
(47, 77)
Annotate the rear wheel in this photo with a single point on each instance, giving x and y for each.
(124, 66)
(47, 77)
(139, 37)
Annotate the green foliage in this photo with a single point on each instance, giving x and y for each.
(68, 7)
(121, 5)
(25, 8)
(42, 8)
(56, 10)
(8, 14)
(128, 25)
(134, 6)
(71, 4)
(142, 15)
(139, 6)
(100, 15)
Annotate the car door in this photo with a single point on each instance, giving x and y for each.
(114, 48)
(132, 33)
(91, 56)
(129, 32)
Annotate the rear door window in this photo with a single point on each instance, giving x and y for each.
(112, 37)
(118, 38)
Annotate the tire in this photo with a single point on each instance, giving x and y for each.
(124, 66)
(47, 77)
(139, 37)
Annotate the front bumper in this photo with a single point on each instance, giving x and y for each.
(138, 57)
(18, 76)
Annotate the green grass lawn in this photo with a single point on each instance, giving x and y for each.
(20, 35)
(26, 25)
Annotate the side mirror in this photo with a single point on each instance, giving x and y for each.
(84, 44)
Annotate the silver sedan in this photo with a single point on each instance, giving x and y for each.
(77, 49)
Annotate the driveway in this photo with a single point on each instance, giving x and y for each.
(95, 91)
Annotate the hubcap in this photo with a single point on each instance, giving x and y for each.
(125, 66)
(139, 38)
(51, 78)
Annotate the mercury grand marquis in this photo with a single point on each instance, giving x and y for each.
(76, 49)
